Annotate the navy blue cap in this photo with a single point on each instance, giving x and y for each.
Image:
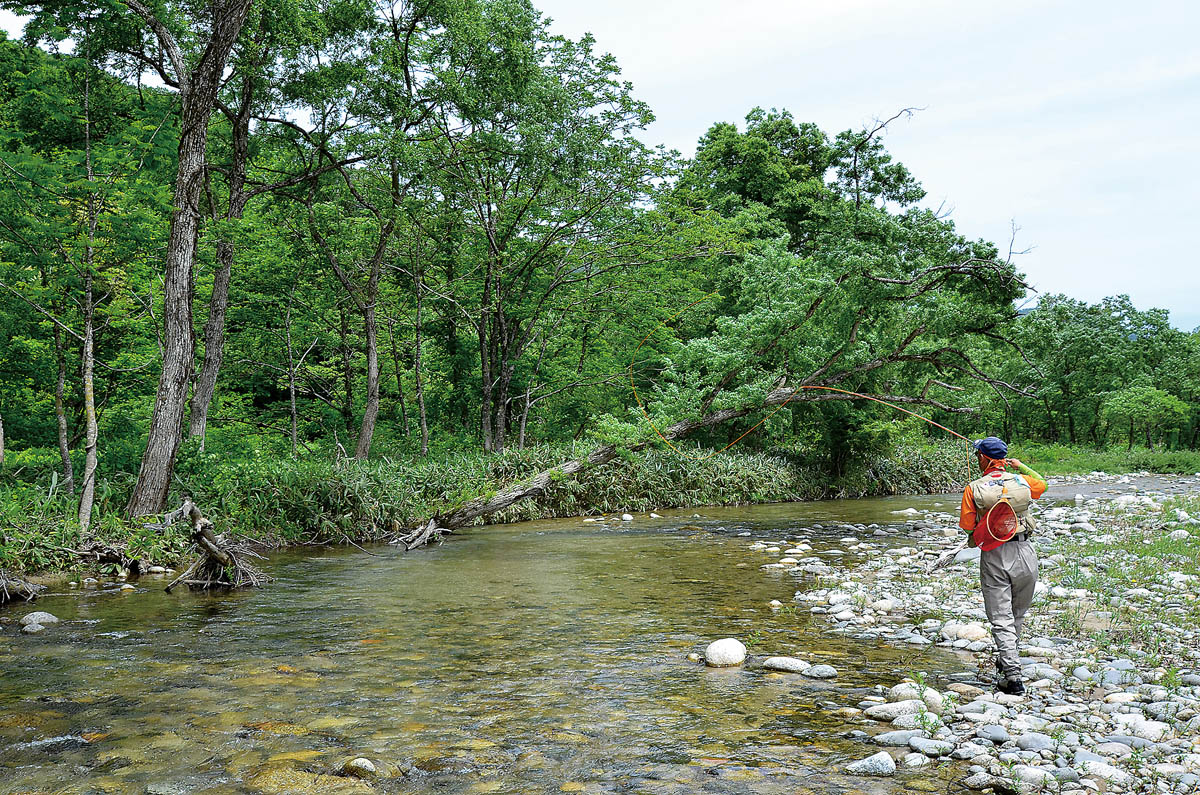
(993, 447)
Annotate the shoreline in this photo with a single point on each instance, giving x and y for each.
(1110, 651)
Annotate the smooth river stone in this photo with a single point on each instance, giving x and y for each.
(881, 764)
(39, 617)
(725, 652)
(821, 672)
(792, 665)
(889, 712)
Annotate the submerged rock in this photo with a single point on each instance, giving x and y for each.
(821, 672)
(725, 653)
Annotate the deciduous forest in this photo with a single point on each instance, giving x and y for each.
(343, 266)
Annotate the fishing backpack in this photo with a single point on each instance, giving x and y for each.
(1003, 500)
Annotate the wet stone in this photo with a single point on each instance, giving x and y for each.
(881, 764)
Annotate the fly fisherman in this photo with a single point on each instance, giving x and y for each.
(995, 510)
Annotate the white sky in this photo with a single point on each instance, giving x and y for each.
(1077, 120)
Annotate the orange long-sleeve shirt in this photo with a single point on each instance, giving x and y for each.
(967, 518)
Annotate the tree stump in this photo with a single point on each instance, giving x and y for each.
(222, 563)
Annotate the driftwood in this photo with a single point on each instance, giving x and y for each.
(222, 563)
(13, 590)
(96, 552)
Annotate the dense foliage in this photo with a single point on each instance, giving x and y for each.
(434, 229)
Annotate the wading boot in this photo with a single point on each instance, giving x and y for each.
(1013, 687)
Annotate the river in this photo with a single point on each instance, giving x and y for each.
(537, 657)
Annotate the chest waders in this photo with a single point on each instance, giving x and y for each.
(1003, 501)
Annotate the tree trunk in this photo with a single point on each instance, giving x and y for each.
(417, 343)
(214, 327)
(524, 420)
(399, 380)
(347, 373)
(485, 373)
(1130, 446)
(291, 373)
(60, 413)
(87, 496)
(197, 96)
(371, 410)
(1050, 419)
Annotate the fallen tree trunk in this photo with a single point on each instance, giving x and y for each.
(13, 590)
(537, 485)
(222, 563)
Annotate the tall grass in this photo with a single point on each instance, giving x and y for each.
(1061, 459)
(286, 501)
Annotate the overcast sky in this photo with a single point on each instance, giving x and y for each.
(1076, 120)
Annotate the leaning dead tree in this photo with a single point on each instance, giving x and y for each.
(222, 562)
(540, 483)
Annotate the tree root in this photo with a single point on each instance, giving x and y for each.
(13, 590)
(223, 563)
(96, 552)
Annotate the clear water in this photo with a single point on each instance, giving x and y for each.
(538, 657)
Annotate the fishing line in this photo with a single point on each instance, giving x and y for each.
(796, 391)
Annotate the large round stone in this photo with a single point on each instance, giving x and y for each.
(724, 653)
(39, 617)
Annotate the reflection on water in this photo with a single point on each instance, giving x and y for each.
(540, 657)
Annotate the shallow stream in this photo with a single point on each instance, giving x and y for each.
(537, 657)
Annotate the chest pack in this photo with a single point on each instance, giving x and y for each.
(1002, 500)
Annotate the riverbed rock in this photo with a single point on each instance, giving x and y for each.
(1033, 741)
(889, 712)
(967, 555)
(897, 739)
(360, 767)
(792, 665)
(881, 764)
(725, 653)
(39, 617)
(934, 748)
(820, 672)
(993, 733)
(32, 629)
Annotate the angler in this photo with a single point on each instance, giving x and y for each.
(995, 511)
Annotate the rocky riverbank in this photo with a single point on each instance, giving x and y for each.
(1111, 647)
